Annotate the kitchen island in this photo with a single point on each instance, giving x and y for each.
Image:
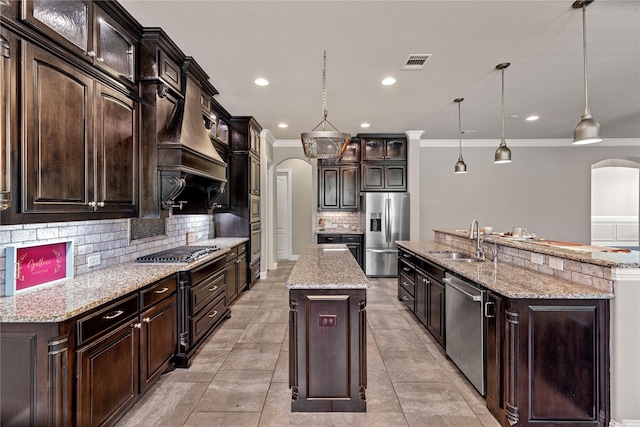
(327, 331)
(561, 314)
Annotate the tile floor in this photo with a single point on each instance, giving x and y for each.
(240, 375)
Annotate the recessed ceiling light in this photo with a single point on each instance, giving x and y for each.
(365, 125)
(261, 82)
(388, 81)
(532, 118)
(283, 125)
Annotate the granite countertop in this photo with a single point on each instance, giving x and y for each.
(327, 266)
(69, 298)
(338, 231)
(506, 279)
(630, 259)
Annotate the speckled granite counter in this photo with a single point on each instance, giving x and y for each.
(338, 231)
(327, 266)
(629, 259)
(505, 279)
(64, 300)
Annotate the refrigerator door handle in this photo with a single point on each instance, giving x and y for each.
(382, 251)
(387, 214)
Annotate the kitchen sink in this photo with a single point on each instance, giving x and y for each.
(455, 256)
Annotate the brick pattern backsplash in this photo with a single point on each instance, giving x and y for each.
(596, 276)
(108, 238)
(340, 219)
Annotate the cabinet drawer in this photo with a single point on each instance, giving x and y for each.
(328, 238)
(158, 292)
(241, 248)
(407, 269)
(106, 319)
(202, 323)
(406, 298)
(407, 284)
(206, 291)
(351, 238)
(407, 256)
(202, 272)
(433, 270)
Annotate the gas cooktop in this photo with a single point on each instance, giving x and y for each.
(180, 254)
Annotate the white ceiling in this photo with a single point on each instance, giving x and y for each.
(236, 42)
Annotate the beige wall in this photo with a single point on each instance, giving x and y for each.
(303, 190)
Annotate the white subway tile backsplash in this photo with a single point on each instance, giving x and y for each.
(108, 238)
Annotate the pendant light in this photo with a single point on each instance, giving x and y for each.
(325, 144)
(460, 167)
(588, 130)
(503, 154)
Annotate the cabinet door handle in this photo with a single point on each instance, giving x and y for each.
(406, 256)
(147, 320)
(486, 309)
(407, 269)
(427, 281)
(100, 204)
(113, 315)
(91, 54)
(161, 291)
(213, 314)
(213, 289)
(137, 325)
(92, 204)
(404, 297)
(406, 284)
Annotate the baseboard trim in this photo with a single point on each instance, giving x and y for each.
(624, 423)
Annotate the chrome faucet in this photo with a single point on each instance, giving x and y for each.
(479, 251)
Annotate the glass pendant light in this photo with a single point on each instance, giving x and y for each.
(588, 130)
(503, 154)
(460, 167)
(325, 144)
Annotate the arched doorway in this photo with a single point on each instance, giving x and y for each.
(615, 205)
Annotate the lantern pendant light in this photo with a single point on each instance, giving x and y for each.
(588, 130)
(460, 167)
(323, 143)
(503, 154)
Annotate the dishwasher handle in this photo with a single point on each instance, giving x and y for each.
(450, 282)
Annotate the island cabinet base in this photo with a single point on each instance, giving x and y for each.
(548, 362)
(328, 350)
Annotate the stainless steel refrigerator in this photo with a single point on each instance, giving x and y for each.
(386, 220)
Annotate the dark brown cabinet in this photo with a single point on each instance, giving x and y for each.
(7, 70)
(236, 272)
(122, 350)
(202, 305)
(384, 162)
(328, 350)
(384, 177)
(547, 361)
(391, 147)
(420, 287)
(354, 242)
(95, 170)
(88, 31)
(338, 188)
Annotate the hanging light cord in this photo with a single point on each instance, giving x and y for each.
(502, 142)
(459, 133)
(324, 88)
(584, 47)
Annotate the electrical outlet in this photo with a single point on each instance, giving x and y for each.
(537, 258)
(191, 237)
(555, 263)
(93, 260)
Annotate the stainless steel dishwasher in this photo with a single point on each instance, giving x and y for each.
(464, 323)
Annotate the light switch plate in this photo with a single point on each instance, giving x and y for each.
(537, 258)
(93, 260)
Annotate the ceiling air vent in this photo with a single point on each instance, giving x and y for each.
(416, 61)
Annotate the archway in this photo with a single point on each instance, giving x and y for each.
(615, 205)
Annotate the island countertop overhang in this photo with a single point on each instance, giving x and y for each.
(327, 266)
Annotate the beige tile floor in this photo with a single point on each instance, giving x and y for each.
(240, 375)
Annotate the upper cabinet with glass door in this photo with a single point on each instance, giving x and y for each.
(384, 147)
(88, 31)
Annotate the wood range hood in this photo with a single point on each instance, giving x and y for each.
(192, 173)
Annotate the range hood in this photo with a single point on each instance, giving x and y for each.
(191, 171)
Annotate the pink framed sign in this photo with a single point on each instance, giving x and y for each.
(33, 266)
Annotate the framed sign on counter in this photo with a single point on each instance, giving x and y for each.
(33, 266)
